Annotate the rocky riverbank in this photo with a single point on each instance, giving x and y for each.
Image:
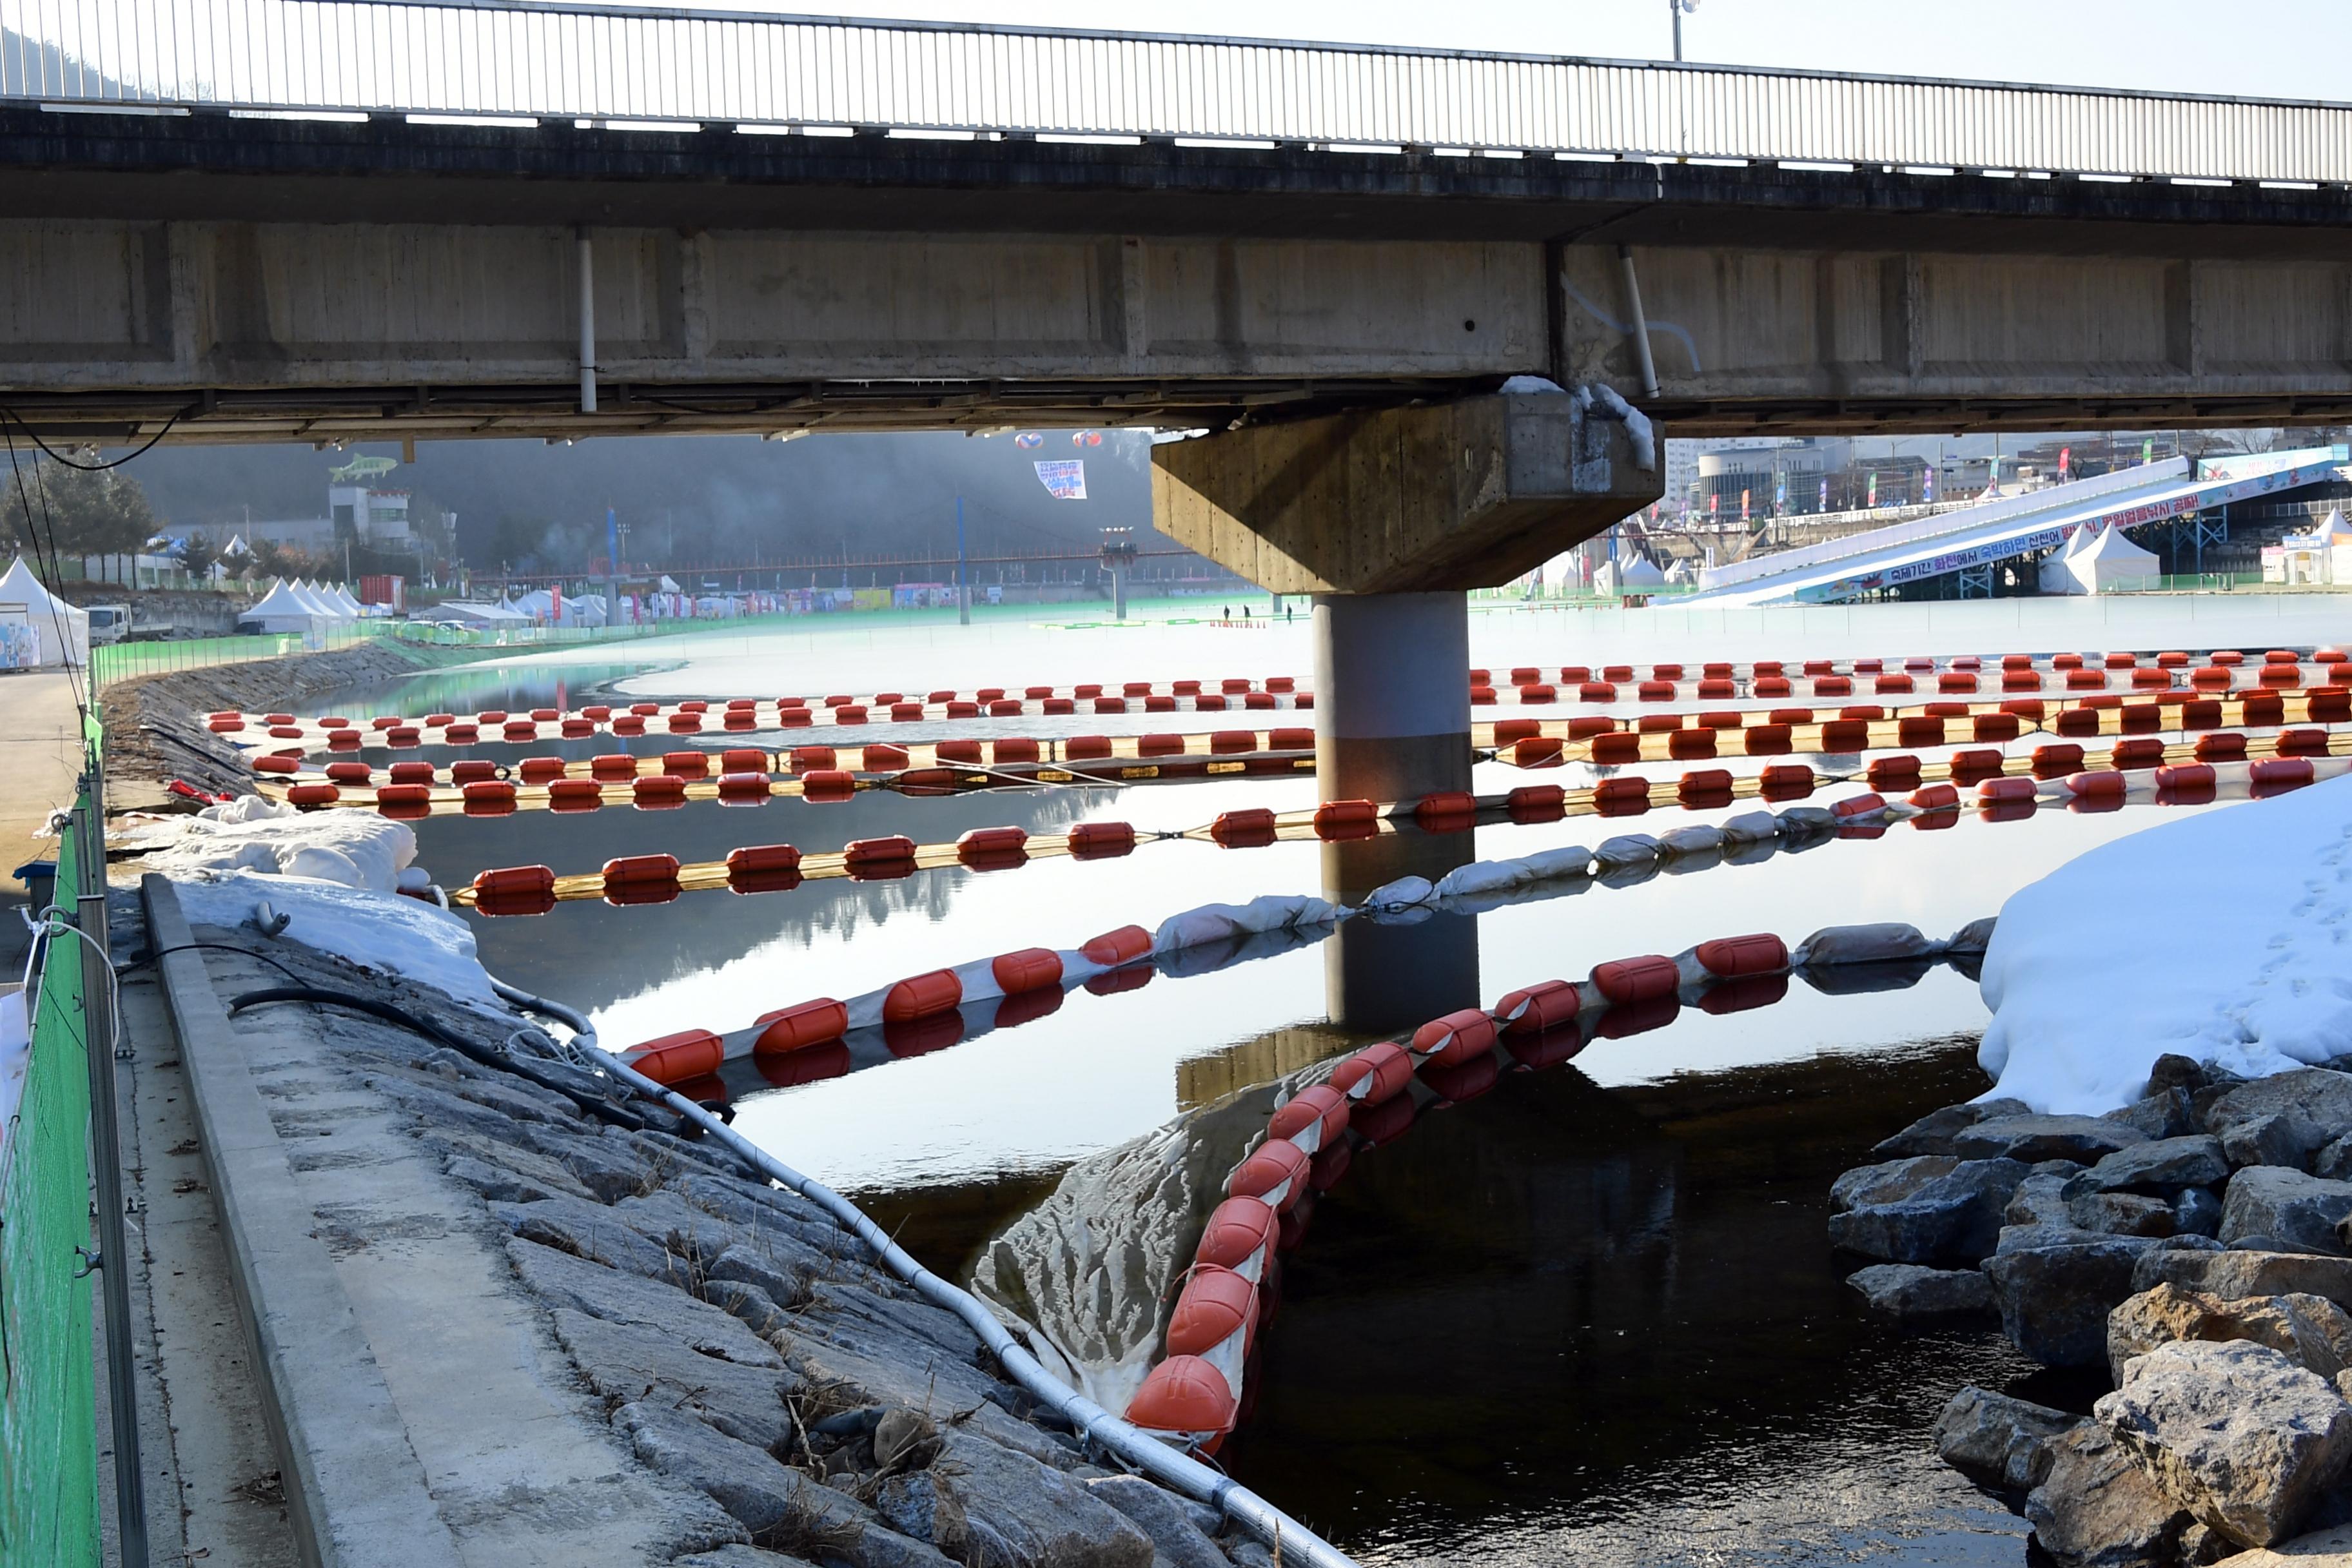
(767, 1396)
(2192, 1245)
(155, 728)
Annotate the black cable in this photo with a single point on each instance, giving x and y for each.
(56, 569)
(34, 436)
(213, 946)
(618, 1115)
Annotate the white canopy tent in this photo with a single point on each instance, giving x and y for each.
(1631, 574)
(282, 609)
(2111, 563)
(2057, 572)
(54, 634)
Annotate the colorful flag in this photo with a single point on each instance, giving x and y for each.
(2065, 460)
(2147, 450)
(1825, 495)
(1065, 478)
(1927, 488)
(1743, 506)
(1873, 490)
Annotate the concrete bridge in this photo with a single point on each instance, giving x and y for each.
(256, 220)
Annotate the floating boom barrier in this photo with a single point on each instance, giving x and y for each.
(1763, 679)
(1992, 775)
(1202, 1387)
(827, 1036)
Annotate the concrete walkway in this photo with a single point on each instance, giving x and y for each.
(40, 757)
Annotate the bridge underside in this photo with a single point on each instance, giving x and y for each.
(270, 280)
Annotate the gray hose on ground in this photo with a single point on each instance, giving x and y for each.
(1290, 1540)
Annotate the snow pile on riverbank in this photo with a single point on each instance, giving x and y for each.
(354, 848)
(2222, 937)
(404, 936)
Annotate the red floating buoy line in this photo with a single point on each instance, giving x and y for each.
(2279, 669)
(923, 1013)
(2177, 773)
(746, 776)
(741, 714)
(1199, 1390)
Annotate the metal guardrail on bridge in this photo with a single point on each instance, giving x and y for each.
(529, 59)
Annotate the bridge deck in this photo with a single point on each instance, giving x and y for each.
(2008, 528)
(536, 58)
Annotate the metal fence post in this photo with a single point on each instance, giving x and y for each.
(100, 1032)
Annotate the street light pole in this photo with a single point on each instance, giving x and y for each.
(1677, 9)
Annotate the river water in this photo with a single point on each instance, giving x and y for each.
(1586, 1313)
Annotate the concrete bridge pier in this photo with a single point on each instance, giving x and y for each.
(1391, 698)
(1387, 518)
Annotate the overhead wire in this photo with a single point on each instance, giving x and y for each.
(53, 565)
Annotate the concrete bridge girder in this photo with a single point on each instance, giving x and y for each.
(270, 330)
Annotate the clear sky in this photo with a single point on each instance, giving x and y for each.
(2275, 49)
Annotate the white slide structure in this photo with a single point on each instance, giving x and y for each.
(2025, 524)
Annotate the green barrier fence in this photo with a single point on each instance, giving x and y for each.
(48, 1415)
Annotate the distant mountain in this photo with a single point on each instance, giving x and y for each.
(697, 501)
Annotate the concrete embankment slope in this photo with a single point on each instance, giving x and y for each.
(495, 1329)
(155, 723)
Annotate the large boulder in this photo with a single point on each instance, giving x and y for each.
(2292, 1208)
(1890, 1181)
(624, 1363)
(2235, 1433)
(2198, 1211)
(2163, 1167)
(991, 1508)
(1997, 1441)
(1915, 1294)
(561, 1279)
(2234, 1275)
(780, 1507)
(2321, 1096)
(2333, 1161)
(2054, 1300)
(2314, 1333)
(2163, 1113)
(1179, 1528)
(2041, 1198)
(1933, 1133)
(2281, 1138)
(2121, 1214)
(1927, 1214)
(2035, 1139)
(2096, 1508)
(2326, 1548)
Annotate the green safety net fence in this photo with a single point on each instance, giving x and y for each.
(48, 1415)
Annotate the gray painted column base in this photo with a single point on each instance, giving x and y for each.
(1391, 695)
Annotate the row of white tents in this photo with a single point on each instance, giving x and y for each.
(299, 606)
